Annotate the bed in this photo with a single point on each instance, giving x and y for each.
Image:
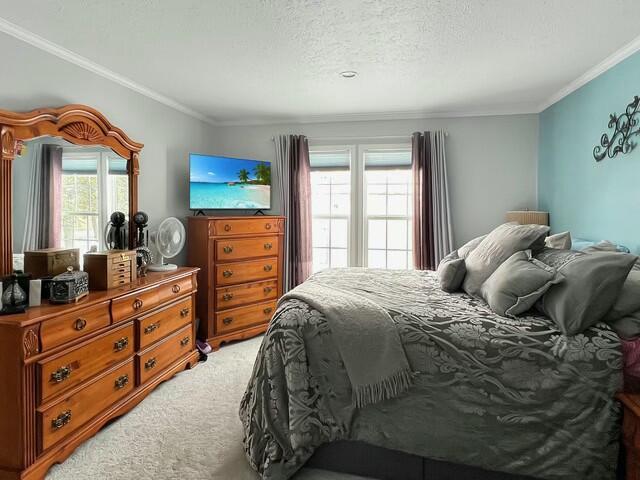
(506, 395)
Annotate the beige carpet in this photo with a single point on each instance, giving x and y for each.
(188, 428)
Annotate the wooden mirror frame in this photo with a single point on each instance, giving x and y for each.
(78, 124)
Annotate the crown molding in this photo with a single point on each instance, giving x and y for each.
(54, 49)
(609, 62)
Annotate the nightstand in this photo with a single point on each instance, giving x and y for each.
(631, 434)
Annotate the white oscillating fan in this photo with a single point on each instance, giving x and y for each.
(169, 240)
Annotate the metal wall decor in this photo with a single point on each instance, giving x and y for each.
(625, 126)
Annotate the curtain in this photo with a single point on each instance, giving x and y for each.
(293, 186)
(432, 237)
(44, 202)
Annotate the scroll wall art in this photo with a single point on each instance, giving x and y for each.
(624, 128)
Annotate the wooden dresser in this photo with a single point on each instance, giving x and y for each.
(66, 370)
(241, 267)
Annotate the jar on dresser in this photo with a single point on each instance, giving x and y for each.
(240, 278)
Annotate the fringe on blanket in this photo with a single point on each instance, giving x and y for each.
(385, 389)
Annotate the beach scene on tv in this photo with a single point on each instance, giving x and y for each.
(225, 182)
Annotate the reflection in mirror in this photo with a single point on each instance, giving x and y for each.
(64, 194)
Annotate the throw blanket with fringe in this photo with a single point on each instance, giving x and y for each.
(364, 333)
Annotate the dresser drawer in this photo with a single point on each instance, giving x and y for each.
(244, 226)
(68, 327)
(159, 324)
(230, 320)
(175, 289)
(157, 358)
(229, 297)
(241, 272)
(72, 412)
(134, 304)
(70, 368)
(239, 248)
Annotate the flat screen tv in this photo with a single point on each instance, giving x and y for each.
(228, 183)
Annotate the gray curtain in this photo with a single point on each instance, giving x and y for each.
(432, 237)
(293, 187)
(43, 216)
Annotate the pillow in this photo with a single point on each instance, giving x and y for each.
(517, 284)
(592, 285)
(581, 245)
(467, 248)
(559, 240)
(627, 327)
(628, 301)
(496, 247)
(451, 271)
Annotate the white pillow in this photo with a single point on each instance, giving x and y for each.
(561, 241)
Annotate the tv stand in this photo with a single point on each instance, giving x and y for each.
(259, 212)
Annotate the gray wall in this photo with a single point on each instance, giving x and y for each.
(492, 160)
(32, 79)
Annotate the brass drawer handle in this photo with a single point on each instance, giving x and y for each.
(124, 257)
(79, 324)
(227, 296)
(268, 268)
(175, 289)
(184, 342)
(137, 304)
(122, 382)
(268, 226)
(61, 420)
(121, 344)
(227, 228)
(61, 374)
(149, 364)
(151, 328)
(268, 246)
(268, 310)
(227, 273)
(184, 312)
(228, 249)
(227, 321)
(268, 289)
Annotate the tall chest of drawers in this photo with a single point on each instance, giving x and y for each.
(66, 370)
(240, 278)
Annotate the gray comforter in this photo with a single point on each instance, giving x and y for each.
(509, 395)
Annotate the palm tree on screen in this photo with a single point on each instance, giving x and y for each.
(243, 175)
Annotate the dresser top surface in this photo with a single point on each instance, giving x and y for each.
(49, 310)
(195, 218)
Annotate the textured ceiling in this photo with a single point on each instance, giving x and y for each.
(278, 60)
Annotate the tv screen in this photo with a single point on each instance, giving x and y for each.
(230, 183)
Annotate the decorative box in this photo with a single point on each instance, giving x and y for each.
(110, 269)
(49, 262)
(69, 287)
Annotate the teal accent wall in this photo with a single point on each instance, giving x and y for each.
(593, 200)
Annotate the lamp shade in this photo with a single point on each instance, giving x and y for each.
(528, 217)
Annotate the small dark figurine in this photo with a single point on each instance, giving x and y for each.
(115, 234)
(14, 299)
(143, 256)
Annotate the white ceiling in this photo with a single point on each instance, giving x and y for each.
(261, 61)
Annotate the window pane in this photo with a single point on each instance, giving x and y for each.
(320, 232)
(410, 260)
(339, 258)
(396, 259)
(397, 234)
(377, 259)
(320, 259)
(397, 205)
(339, 233)
(377, 234)
(340, 204)
(376, 204)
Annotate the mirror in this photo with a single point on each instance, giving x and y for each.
(64, 194)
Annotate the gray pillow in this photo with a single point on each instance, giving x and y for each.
(603, 246)
(592, 285)
(559, 240)
(470, 246)
(628, 301)
(627, 327)
(497, 246)
(451, 272)
(517, 284)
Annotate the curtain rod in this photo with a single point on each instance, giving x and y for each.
(362, 137)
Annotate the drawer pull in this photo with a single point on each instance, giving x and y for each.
(268, 289)
(149, 364)
(268, 310)
(268, 268)
(268, 246)
(122, 382)
(227, 273)
(227, 228)
(175, 289)
(61, 374)
(61, 420)
(121, 344)
(184, 312)
(184, 342)
(124, 257)
(227, 296)
(227, 321)
(79, 324)
(228, 249)
(268, 226)
(137, 304)
(151, 328)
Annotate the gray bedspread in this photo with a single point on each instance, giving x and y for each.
(508, 395)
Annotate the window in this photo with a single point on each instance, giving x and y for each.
(362, 207)
(94, 184)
